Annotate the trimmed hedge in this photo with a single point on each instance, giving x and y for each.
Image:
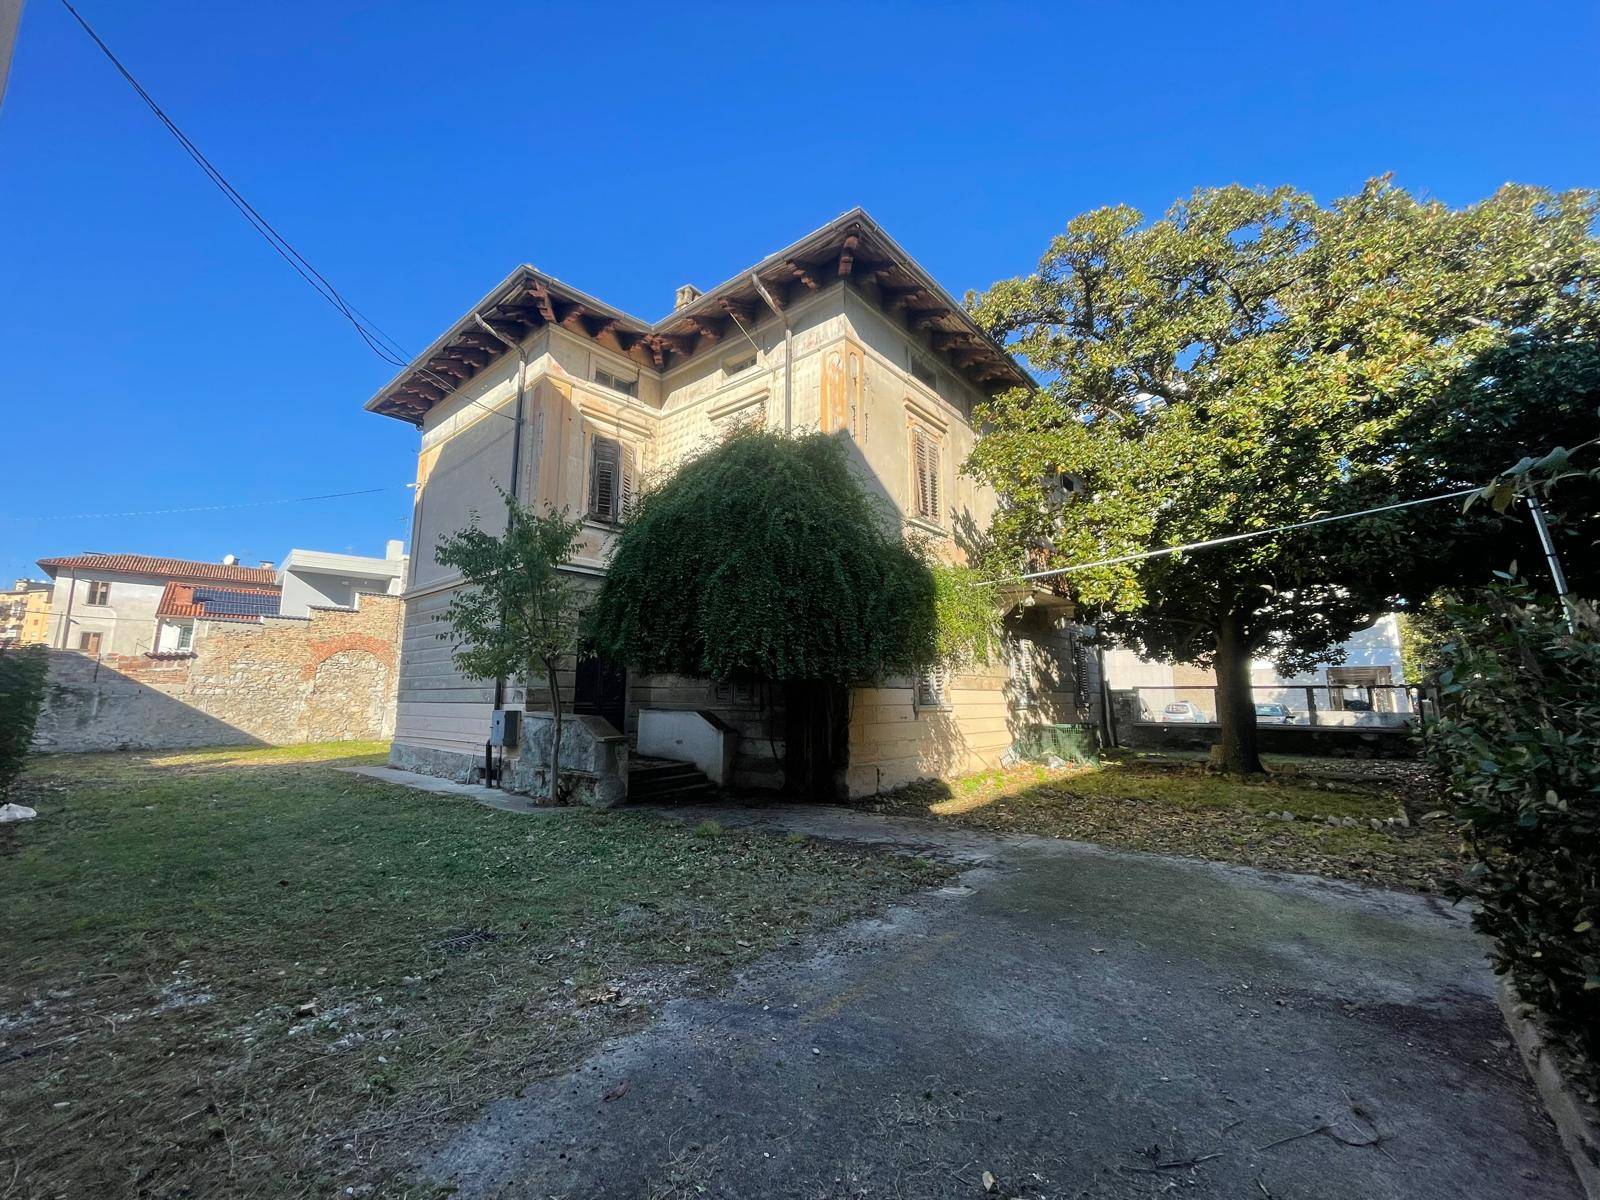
(1519, 741)
(22, 676)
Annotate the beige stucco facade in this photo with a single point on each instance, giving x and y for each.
(833, 360)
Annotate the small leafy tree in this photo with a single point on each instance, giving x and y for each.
(22, 680)
(1247, 362)
(766, 557)
(517, 613)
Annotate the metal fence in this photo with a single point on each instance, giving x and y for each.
(1374, 705)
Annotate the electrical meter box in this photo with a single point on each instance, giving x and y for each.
(505, 725)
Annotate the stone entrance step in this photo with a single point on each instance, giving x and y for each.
(665, 781)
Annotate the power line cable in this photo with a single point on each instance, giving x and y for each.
(379, 342)
(1232, 537)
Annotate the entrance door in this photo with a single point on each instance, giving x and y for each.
(601, 690)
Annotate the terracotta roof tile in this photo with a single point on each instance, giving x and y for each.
(173, 568)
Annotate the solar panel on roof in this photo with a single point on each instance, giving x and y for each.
(224, 603)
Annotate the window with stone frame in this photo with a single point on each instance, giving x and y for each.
(611, 479)
(931, 689)
(927, 475)
(616, 381)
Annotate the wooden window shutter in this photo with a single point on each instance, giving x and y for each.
(629, 482)
(925, 453)
(932, 688)
(604, 467)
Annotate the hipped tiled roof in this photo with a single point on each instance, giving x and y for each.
(172, 568)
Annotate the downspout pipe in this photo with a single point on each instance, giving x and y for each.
(788, 352)
(516, 444)
(66, 618)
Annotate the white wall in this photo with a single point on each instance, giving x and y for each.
(126, 622)
(305, 590)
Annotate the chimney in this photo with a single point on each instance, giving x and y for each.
(394, 549)
(267, 564)
(686, 296)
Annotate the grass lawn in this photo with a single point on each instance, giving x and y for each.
(242, 972)
(1174, 807)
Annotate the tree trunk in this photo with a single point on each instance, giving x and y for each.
(1237, 753)
(555, 731)
(816, 750)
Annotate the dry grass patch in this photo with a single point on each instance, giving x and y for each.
(243, 973)
(1178, 808)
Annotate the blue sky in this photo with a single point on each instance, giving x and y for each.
(159, 355)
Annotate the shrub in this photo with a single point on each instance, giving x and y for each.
(1519, 740)
(766, 557)
(22, 675)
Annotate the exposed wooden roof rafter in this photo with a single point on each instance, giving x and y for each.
(852, 249)
(847, 255)
(542, 302)
(803, 273)
(743, 313)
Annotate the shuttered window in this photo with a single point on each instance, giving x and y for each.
(611, 479)
(925, 475)
(932, 688)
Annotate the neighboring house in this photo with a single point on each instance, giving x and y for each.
(315, 579)
(841, 332)
(232, 672)
(1367, 672)
(110, 603)
(182, 604)
(1366, 678)
(25, 613)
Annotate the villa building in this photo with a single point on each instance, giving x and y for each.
(841, 332)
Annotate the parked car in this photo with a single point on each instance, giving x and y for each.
(1274, 714)
(1184, 712)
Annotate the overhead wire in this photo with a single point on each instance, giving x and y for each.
(377, 340)
(1232, 537)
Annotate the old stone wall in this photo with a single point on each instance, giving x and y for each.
(329, 677)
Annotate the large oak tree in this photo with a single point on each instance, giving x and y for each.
(1248, 361)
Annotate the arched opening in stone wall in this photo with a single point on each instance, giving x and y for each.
(348, 695)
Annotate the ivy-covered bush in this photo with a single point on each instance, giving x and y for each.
(1519, 742)
(22, 676)
(766, 557)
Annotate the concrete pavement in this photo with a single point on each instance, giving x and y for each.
(1072, 1022)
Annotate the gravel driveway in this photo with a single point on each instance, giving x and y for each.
(1063, 1022)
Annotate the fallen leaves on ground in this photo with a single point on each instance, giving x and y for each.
(1178, 809)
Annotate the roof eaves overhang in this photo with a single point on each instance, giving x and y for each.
(726, 298)
(509, 289)
(859, 221)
